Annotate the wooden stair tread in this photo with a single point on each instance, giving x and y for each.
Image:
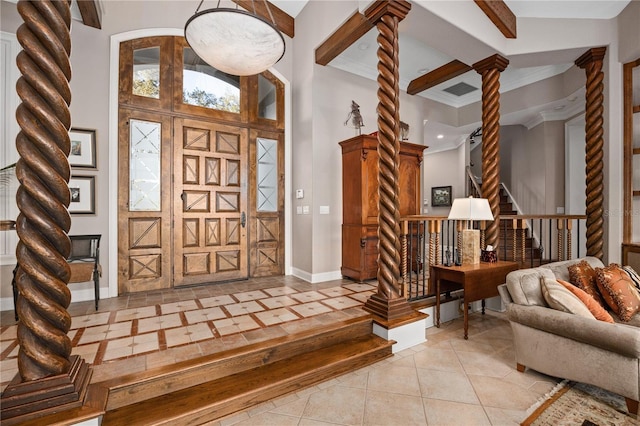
(225, 395)
(132, 388)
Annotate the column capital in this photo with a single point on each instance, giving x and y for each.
(591, 55)
(493, 61)
(380, 8)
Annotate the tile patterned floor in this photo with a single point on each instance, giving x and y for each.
(445, 381)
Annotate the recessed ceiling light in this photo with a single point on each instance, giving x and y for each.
(440, 136)
(423, 71)
(363, 46)
(559, 107)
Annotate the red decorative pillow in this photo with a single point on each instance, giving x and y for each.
(594, 307)
(583, 276)
(619, 291)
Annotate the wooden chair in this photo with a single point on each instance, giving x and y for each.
(84, 261)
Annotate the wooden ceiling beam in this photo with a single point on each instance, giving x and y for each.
(348, 33)
(284, 21)
(437, 76)
(501, 16)
(89, 12)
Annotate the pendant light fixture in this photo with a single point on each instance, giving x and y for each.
(235, 41)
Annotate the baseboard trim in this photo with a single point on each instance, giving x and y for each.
(316, 278)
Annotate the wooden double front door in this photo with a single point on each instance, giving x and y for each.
(185, 213)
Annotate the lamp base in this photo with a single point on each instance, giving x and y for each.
(470, 246)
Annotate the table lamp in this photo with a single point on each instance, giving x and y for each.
(469, 209)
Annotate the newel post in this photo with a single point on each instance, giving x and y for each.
(591, 62)
(490, 69)
(388, 302)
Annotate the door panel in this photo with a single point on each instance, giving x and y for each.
(144, 212)
(267, 203)
(210, 202)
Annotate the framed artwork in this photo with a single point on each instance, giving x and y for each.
(83, 195)
(83, 148)
(441, 196)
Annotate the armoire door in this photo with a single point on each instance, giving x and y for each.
(210, 202)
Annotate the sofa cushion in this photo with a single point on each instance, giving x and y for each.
(618, 291)
(561, 269)
(583, 276)
(524, 286)
(594, 307)
(561, 299)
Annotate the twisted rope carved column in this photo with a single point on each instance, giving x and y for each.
(490, 69)
(42, 225)
(591, 62)
(388, 302)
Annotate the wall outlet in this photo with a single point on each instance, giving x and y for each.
(324, 210)
(299, 210)
(305, 209)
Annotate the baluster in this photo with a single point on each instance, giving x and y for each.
(483, 228)
(432, 242)
(459, 225)
(569, 251)
(404, 236)
(438, 230)
(560, 226)
(514, 237)
(523, 256)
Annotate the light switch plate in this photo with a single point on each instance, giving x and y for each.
(299, 210)
(324, 210)
(299, 193)
(305, 209)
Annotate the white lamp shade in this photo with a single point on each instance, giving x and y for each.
(471, 209)
(234, 41)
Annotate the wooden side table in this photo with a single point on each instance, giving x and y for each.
(479, 282)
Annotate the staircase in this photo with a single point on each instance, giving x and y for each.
(533, 254)
(208, 388)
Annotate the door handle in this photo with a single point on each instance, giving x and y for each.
(243, 219)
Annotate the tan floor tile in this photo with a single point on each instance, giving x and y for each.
(87, 352)
(446, 385)
(157, 323)
(10, 333)
(438, 359)
(308, 296)
(341, 303)
(340, 405)
(447, 413)
(310, 309)
(395, 379)
(382, 408)
(182, 306)
(279, 291)
(269, 419)
(136, 313)
(276, 316)
(250, 295)
(290, 407)
(335, 291)
(128, 346)
(361, 297)
(243, 308)
(235, 325)
(203, 315)
(188, 334)
(90, 320)
(278, 302)
(499, 416)
(492, 392)
(359, 287)
(480, 363)
(217, 301)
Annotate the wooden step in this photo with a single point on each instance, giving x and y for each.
(225, 395)
(252, 374)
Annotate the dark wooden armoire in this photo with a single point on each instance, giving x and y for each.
(360, 201)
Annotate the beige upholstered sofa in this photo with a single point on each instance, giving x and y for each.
(569, 346)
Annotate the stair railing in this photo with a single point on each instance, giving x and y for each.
(434, 240)
(473, 188)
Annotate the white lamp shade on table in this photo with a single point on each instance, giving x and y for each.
(469, 209)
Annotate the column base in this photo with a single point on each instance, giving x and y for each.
(388, 309)
(406, 332)
(22, 401)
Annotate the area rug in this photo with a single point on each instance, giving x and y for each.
(572, 403)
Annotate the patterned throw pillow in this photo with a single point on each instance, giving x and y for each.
(561, 299)
(633, 275)
(594, 307)
(583, 276)
(619, 291)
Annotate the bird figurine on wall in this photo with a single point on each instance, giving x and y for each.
(355, 117)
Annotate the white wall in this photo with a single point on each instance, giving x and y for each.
(444, 168)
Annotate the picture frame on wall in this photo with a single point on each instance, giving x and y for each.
(83, 195)
(441, 196)
(83, 148)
